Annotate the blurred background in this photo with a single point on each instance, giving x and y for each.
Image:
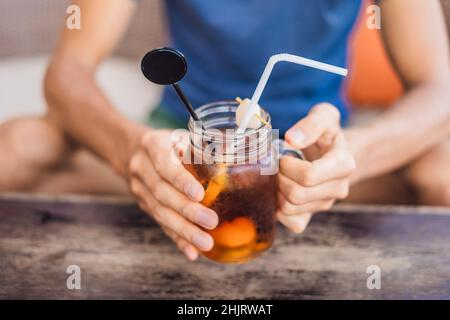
(29, 30)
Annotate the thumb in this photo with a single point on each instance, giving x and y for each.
(322, 120)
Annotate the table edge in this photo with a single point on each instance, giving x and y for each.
(127, 201)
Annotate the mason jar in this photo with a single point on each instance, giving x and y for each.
(238, 172)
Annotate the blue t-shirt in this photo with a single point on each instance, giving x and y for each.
(227, 44)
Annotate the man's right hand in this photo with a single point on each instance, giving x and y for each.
(170, 194)
(76, 104)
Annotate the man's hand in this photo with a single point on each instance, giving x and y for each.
(306, 187)
(170, 194)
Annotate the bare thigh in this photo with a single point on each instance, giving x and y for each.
(391, 188)
(36, 156)
(429, 175)
(425, 181)
(83, 173)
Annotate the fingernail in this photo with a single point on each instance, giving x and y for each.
(296, 136)
(191, 253)
(203, 241)
(207, 219)
(194, 191)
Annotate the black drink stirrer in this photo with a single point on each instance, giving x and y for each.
(167, 66)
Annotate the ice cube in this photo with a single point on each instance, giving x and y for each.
(255, 123)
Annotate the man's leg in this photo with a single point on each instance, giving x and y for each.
(35, 156)
(425, 181)
(386, 189)
(429, 175)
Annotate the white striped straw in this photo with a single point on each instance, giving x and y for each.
(268, 70)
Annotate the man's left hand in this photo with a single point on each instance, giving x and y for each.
(312, 185)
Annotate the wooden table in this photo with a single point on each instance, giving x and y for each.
(123, 254)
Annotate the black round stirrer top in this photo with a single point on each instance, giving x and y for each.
(167, 66)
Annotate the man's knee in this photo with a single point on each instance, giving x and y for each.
(430, 176)
(30, 145)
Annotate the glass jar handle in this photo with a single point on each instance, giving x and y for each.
(285, 149)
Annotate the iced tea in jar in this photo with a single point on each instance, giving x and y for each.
(237, 171)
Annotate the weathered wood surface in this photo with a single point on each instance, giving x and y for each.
(123, 254)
